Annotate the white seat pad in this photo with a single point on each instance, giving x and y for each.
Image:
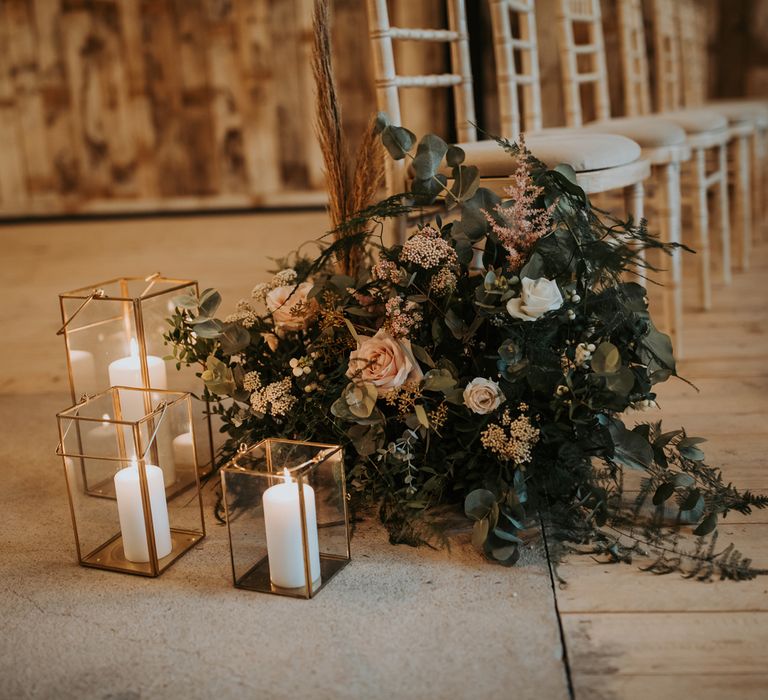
(649, 132)
(697, 121)
(578, 149)
(753, 111)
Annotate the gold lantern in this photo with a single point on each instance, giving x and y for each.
(113, 334)
(286, 510)
(155, 514)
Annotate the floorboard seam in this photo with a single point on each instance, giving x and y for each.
(560, 628)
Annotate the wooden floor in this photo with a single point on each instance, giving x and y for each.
(627, 634)
(630, 634)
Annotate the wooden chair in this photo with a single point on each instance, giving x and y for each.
(706, 131)
(664, 143)
(602, 161)
(747, 119)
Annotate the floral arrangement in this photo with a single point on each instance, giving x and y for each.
(487, 362)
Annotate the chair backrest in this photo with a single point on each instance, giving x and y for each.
(582, 64)
(692, 35)
(517, 81)
(389, 82)
(634, 58)
(666, 56)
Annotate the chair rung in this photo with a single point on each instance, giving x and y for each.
(587, 78)
(516, 78)
(713, 178)
(522, 44)
(585, 48)
(410, 34)
(411, 81)
(520, 5)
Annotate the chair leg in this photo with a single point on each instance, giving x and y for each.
(701, 222)
(673, 275)
(759, 184)
(634, 196)
(395, 228)
(743, 208)
(724, 211)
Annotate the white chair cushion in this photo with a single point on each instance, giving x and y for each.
(696, 121)
(582, 151)
(649, 132)
(752, 111)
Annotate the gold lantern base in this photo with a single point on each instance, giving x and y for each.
(257, 578)
(110, 555)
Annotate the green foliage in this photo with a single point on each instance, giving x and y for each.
(549, 439)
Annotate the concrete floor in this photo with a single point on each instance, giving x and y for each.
(397, 622)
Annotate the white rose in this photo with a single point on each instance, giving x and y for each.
(290, 308)
(483, 396)
(537, 297)
(383, 361)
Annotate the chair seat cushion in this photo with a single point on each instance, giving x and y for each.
(697, 121)
(582, 151)
(752, 111)
(649, 132)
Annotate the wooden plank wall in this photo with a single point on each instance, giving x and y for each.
(115, 105)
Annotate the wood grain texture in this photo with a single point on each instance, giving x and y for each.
(630, 634)
(141, 105)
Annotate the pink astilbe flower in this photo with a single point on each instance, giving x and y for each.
(524, 223)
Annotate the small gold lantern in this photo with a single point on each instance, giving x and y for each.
(286, 509)
(113, 334)
(156, 513)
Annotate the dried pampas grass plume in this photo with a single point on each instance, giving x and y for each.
(348, 192)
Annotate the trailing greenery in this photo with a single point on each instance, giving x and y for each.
(487, 361)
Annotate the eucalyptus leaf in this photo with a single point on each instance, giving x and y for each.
(606, 359)
(438, 380)
(455, 156)
(480, 533)
(429, 155)
(707, 525)
(210, 328)
(397, 140)
(630, 449)
(478, 503)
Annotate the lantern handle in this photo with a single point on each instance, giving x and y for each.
(151, 279)
(95, 294)
(164, 405)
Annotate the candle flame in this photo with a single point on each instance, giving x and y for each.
(134, 348)
(286, 476)
(105, 418)
(134, 463)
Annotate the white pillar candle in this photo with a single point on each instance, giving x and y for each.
(131, 512)
(184, 451)
(127, 372)
(83, 370)
(282, 521)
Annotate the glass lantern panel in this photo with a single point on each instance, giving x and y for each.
(156, 309)
(271, 551)
(104, 460)
(98, 336)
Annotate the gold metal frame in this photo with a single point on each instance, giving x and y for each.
(132, 306)
(257, 577)
(106, 556)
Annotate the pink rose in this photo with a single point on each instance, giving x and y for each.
(383, 361)
(290, 308)
(483, 396)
